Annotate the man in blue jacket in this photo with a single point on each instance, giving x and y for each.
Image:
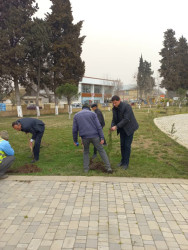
(6, 154)
(125, 123)
(87, 124)
(34, 126)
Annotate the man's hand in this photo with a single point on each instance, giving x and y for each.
(114, 128)
(102, 141)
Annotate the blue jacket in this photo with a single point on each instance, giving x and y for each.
(87, 124)
(6, 148)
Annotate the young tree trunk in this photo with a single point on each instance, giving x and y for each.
(56, 105)
(18, 101)
(69, 108)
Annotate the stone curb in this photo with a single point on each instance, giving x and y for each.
(95, 179)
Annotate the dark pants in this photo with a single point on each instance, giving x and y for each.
(36, 148)
(126, 142)
(95, 150)
(6, 164)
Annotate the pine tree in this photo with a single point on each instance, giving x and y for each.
(64, 62)
(182, 63)
(168, 69)
(145, 81)
(14, 21)
(140, 77)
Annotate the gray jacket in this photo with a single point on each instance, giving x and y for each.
(87, 124)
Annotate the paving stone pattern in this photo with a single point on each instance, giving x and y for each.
(118, 213)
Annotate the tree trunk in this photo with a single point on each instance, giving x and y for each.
(48, 93)
(38, 89)
(56, 105)
(69, 108)
(18, 101)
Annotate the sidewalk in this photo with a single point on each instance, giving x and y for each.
(175, 126)
(59, 212)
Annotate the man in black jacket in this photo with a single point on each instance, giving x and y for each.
(36, 128)
(125, 123)
(102, 122)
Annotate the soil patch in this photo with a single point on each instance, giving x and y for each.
(26, 169)
(97, 166)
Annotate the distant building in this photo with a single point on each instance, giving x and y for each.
(128, 92)
(95, 90)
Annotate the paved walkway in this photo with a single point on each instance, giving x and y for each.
(175, 126)
(93, 213)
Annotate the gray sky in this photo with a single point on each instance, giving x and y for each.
(118, 32)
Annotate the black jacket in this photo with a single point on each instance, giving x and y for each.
(126, 120)
(100, 117)
(32, 125)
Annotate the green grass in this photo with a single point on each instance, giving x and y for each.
(154, 154)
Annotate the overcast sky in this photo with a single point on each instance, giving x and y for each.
(119, 31)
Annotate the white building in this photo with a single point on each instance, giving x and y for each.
(95, 90)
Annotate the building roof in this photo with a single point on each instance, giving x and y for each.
(129, 87)
(97, 81)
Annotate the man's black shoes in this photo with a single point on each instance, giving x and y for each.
(109, 171)
(119, 164)
(124, 166)
(33, 161)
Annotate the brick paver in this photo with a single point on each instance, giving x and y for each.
(93, 213)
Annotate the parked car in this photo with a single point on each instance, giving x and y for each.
(77, 105)
(32, 107)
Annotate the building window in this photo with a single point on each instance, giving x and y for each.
(97, 89)
(107, 90)
(26, 102)
(86, 88)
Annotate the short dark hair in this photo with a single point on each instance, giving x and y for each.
(86, 106)
(15, 123)
(115, 98)
(94, 105)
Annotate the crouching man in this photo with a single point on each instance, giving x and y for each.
(6, 154)
(87, 124)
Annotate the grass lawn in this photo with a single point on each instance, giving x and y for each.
(154, 154)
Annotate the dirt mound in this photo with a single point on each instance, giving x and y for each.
(25, 169)
(96, 166)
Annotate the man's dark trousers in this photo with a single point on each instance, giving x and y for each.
(36, 148)
(126, 142)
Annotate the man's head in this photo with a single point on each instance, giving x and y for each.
(94, 106)
(86, 106)
(4, 135)
(116, 100)
(17, 125)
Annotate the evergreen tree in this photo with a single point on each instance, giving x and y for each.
(15, 19)
(37, 47)
(168, 69)
(64, 61)
(182, 63)
(145, 81)
(140, 77)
